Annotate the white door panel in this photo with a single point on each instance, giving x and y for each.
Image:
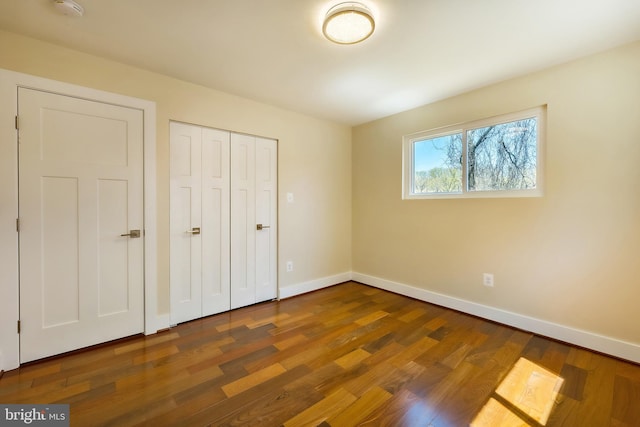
(81, 282)
(266, 214)
(243, 220)
(112, 248)
(215, 221)
(199, 222)
(185, 256)
(59, 270)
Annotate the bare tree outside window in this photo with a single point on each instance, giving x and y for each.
(492, 155)
(502, 157)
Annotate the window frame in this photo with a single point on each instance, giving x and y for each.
(408, 164)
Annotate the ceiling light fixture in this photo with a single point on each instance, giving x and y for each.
(68, 7)
(348, 23)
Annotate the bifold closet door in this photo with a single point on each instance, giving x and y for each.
(223, 221)
(253, 220)
(266, 214)
(200, 229)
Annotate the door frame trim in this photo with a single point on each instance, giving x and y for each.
(9, 255)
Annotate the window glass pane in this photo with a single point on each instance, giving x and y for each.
(437, 165)
(502, 157)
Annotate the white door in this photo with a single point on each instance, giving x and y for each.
(215, 221)
(81, 194)
(267, 215)
(253, 220)
(199, 221)
(223, 188)
(243, 220)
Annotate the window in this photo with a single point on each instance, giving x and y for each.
(497, 157)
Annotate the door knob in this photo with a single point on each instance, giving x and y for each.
(260, 226)
(194, 230)
(134, 234)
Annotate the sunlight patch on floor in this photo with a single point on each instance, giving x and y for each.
(530, 388)
(495, 414)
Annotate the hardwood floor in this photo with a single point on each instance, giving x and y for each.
(342, 356)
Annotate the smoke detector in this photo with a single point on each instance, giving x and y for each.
(68, 7)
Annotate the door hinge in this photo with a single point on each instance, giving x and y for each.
(18, 326)
(18, 225)
(17, 123)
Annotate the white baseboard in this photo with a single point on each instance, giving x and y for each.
(313, 285)
(614, 347)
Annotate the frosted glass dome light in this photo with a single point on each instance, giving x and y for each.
(348, 23)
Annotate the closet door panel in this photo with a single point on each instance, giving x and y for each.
(243, 221)
(215, 221)
(185, 246)
(266, 214)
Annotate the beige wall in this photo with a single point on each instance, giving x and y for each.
(314, 155)
(571, 257)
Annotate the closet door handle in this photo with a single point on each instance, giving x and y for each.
(260, 226)
(194, 230)
(134, 234)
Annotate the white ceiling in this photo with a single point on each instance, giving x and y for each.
(273, 50)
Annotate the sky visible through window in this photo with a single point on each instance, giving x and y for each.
(431, 153)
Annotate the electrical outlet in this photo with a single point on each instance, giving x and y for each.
(289, 266)
(289, 197)
(487, 279)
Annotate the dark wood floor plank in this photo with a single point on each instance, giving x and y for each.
(565, 413)
(626, 406)
(270, 390)
(360, 409)
(597, 402)
(404, 409)
(574, 381)
(478, 386)
(341, 356)
(318, 413)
